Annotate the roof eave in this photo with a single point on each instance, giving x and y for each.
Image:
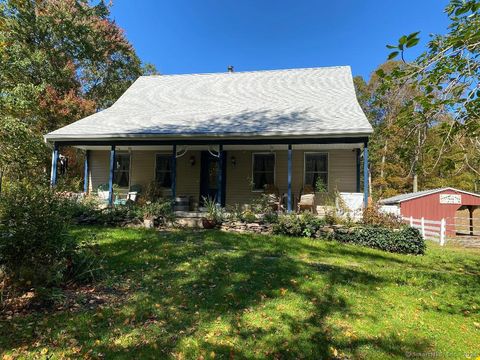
(52, 137)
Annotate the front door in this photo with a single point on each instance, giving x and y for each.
(209, 177)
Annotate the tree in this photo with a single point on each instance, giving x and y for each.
(61, 60)
(448, 74)
(22, 151)
(387, 109)
(405, 145)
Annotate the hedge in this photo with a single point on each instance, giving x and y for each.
(408, 240)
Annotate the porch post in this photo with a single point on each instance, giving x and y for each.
(220, 175)
(112, 171)
(86, 170)
(53, 174)
(358, 169)
(289, 177)
(365, 174)
(174, 173)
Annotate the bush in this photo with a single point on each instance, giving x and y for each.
(158, 210)
(36, 249)
(234, 212)
(248, 216)
(34, 241)
(270, 217)
(408, 240)
(305, 224)
(87, 207)
(153, 192)
(373, 217)
(84, 264)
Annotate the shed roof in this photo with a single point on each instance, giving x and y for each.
(294, 102)
(404, 197)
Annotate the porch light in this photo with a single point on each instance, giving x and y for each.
(192, 160)
(233, 160)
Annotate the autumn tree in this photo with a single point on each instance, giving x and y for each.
(405, 145)
(61, 60)
(448, 76)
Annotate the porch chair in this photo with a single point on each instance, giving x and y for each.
(103, 193)
(135, 191)
(307, 199)
(273, 197)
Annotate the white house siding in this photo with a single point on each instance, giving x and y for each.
(99, 167)
(342, 172)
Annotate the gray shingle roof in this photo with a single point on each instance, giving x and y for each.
(409, 196)
(315, 101)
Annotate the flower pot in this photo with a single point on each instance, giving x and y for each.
(148, 223)
(208, 224)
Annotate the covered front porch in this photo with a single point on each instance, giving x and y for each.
(231, 171)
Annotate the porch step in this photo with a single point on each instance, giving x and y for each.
(190, 219)
(190, 222)
(189, 214)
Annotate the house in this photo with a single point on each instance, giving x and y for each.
(227, 135)
(434, 205)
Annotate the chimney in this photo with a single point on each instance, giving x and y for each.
(230, 68)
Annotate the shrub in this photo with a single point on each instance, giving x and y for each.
(408, 240)
(36, 248)
(234, 212)
(305, 224)
(158, 210)
(88, 207)
(373, 217)
(117, 215)
(215, 213)
(248, 216)
(84, 264)
(153, 192)
(270, 217)
(34, 240)
(261, 204)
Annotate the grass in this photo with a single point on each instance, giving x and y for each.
(208, 294)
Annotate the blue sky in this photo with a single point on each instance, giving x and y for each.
(199, 36)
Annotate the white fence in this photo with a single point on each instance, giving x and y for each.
(430, 229)
(438, 230)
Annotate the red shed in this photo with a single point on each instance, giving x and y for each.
(437, 204)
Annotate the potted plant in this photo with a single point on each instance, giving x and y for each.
(148, 215)
(214, 214)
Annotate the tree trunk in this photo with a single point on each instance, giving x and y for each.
(370, 182)
(1, 179)
(382, 165)
(416, 160)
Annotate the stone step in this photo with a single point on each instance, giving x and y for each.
(189, 222)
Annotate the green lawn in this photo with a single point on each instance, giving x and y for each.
(208, 294)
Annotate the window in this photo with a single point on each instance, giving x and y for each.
(121, 175)
(163, 170)
(316, 168)
(263, 170)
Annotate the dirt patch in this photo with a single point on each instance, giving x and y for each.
(72, 299)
